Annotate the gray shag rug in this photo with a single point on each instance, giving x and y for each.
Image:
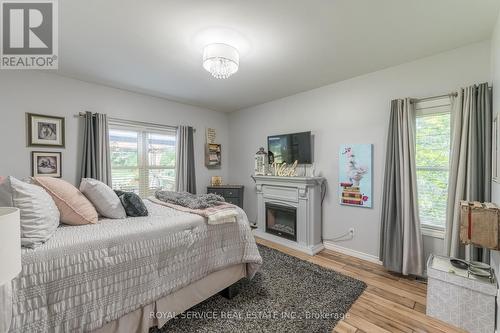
(286, 295)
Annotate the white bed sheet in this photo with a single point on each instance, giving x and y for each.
(86, 276)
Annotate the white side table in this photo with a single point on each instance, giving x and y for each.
(455, 297)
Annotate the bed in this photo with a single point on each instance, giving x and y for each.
(128, 275)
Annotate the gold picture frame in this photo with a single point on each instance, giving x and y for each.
(216, 181)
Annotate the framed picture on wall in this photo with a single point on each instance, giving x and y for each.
(46, 164)
(45, 131)
(213, 155)
(355, 175)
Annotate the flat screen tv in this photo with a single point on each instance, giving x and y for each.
(290, 148)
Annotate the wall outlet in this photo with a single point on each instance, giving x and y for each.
(351, 232)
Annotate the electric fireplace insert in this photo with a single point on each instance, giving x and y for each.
(281, 221)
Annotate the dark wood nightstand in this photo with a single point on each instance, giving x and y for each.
(232, 193)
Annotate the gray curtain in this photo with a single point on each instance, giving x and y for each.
(401, 248)
(185, 176)
(470, 162)
(96, 161)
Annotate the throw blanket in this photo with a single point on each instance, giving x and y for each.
(222, 213)
(189, 200)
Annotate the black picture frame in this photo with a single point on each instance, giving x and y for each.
(60, 128)
(34, 164)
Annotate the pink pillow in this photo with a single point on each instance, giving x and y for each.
(74, 207)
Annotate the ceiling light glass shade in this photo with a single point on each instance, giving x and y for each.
(221, 60)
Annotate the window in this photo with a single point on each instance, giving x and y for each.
(433, 136)
(142, 159)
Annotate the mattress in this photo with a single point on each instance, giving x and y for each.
(86, 276)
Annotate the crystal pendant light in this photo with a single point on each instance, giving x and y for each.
(221, 60)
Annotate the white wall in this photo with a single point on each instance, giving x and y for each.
(351, 111)
(45, 93)
(495, 78)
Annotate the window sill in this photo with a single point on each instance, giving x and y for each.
(432, 232)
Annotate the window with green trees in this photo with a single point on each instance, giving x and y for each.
(433, 131)
(142, 160)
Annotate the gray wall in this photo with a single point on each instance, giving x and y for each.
(351, 111)
(45, 93)
(495, 78)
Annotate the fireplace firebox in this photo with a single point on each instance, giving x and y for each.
(281, 221)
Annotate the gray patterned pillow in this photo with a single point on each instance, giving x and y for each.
(133, 204)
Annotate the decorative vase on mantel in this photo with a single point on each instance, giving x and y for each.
(261, 162)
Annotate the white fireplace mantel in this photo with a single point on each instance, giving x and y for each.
(303, 193)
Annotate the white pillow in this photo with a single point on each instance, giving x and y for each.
(39, 213)
(103, 198)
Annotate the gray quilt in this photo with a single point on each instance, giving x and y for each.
(193, 201)
(86, 276)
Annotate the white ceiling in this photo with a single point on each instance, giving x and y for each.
(287, 46)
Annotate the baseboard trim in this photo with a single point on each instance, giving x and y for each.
(310, 250)
(353, 253)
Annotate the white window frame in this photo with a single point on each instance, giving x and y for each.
(143, 129)
(428, 107)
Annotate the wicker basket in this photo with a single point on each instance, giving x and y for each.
(479, 224)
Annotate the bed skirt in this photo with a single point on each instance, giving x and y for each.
(162, 310)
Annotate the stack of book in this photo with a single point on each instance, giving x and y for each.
(351, 195)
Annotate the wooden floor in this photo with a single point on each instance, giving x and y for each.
(390, 303)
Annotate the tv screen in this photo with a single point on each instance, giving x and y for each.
(290, 148)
